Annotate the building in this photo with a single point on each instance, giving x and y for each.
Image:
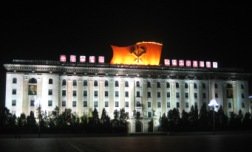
(134, 80)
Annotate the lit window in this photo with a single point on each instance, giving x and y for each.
(50, 81)
(14, 80)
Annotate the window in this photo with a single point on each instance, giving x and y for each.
(242, 86)
(149, 104)
(50, 81)
(149, 94)
(126, 94)
(64, 82)
(137, 84)
(32, 103)
(126, 84)
(158, 85)
(116, 104)
(186, 95)
(149, 114)
(229, 105)
(177, 85)
(215, 85)
(177, 104)
(138, 94)
(187, 105)
(138, 104)
(63, 103)
(168, 94)
(159, 104)
(96, 104)
(116, 94)
(95, 83)
(85, 93)
(49, 103)
(106, 83)
(74, 83)
(95, 93)
(243, 105)
(74, 103)
(106, 104)
(229, 93)
(242, 95)
(216, 95)
(195, 86)
(186, 85)
(106, 93)
(177, 94)
(203, 86)
(74, 93)
(148, 84)
(116, 84)
(204, 95)
(195, 95)
(14, 91)
(85, 83)
(168, 105)
(14, 80)
(158, 94)
(13, 103)
(50, 92)
(84, 103)
(167, 85)
(63, 93)
(126, 104)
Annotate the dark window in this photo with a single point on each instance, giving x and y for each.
(138, 84)
(116, 104)
(116, 84)
(242, 86)
(85, 83)
(242, 95)
(149, 104)
(159, 104)
(138, 94)
(63, 103)
(127, 104)
(14, 80)
(13, 102)
(106, 104)
(32, 103)
(126, 94)
(149, 94)
(95, 83)
(229, 85)
(50, 81)
(138, 104)
(216, 95)
(84, 103)
(49, 103)
(186, 95)
(186, 85)
(149, 114)
(203, 86)
(148, 84)
(158, 85)
(106, 83)
(74, 83)
(177, 104)
(177, 85)
(74, 103)
(229, 93)
(195, 86)
(96, 104)
(168, 94)
(14, 91)
(187, 105)
(243, 105)
(204, 95)
(32, 80)
(96, 93)
(215, 85)
(106, 93)
(116, 94)
(195, 95)
(50, 92)
(74, 93)
(63, 92)
(229, 105)
(158, 94)
(126, 84)
(167, 85)
(168, 105)
(85, 93)
(177, 94)
(63, 82)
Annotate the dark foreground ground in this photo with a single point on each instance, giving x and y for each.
(171, 143)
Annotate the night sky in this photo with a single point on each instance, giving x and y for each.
(212, 31)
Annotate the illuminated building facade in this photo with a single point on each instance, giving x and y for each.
(138, 84)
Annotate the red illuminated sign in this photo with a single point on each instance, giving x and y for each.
(181, 63)
(101, 59)
(202, 64)
(195, 64)
(72, 58)
(167, 62)
(82, 59)
(91, 59)
(188, 63)
(215, 64)
(208, 64)
(62, 58)
(174, 62)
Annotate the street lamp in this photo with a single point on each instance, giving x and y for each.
(214, 105)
